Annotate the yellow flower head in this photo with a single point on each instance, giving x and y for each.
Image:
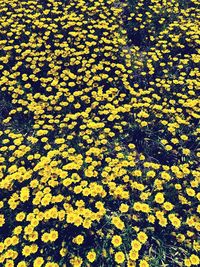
(91, 256)
(136, 245)
(168, 206)
(78, 239)
(143, 263)
(142, 237)
(159, 198)
(53, 235)
(194, 259)
(116, 240)
(119, 257)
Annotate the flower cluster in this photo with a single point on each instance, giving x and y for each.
(99, 133)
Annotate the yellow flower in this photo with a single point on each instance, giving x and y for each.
(87, 223)
(168, 147)
(76, 261)
(26, 251)
(118, 223)
(163, 222)
(143, 263)
(78, 239)
(63, 252)
(2, 220)
(9, 263)
(159, 198)
(123, 208)
(190, 192)
(38, 262)
(165, 176)
(137, 206)
(194, 259)
(144, 123)
(51, 264)
(119, 257)
(151, 218)
(45, 237)
(142, 237)
(187, 262)
(136, 245)
(145, 208)
(186, 151)
(131, 146)
(53, 235)
(175, 222)
(174, 140)
(159, 214)
(180, 238)
(196, 245)
(184, 137)
(24, 194)
(151, 173)
(20, 216)
(17, 230)
(133, 254)
(23, 264)
(116, 240)
(1, 246)
(91, 256)
(168, 206)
